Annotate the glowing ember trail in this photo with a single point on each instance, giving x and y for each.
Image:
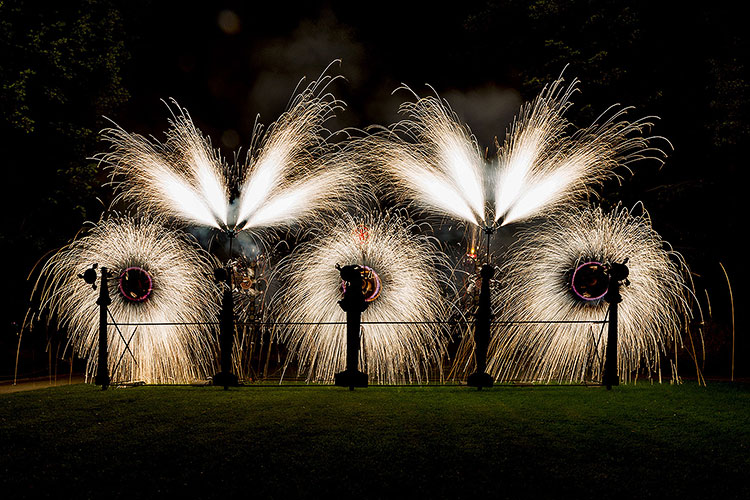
(553, 273)
(158, 276)
(402, 284)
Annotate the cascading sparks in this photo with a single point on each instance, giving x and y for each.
(408, 291)
(157, 276)
(290, 174)
(540, 282)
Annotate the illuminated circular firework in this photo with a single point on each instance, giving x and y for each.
(370, 284)
(557, 271)
(156, 276)
(402, 283)
(590, 281)
(135, 284)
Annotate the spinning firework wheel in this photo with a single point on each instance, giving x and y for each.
(161, 296)
(402, 290)
(563, 271)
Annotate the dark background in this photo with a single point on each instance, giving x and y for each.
(66, 65)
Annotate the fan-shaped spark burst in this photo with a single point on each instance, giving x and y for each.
(182, 178)
(290, 173)
(537, 287)
(411, 290)
(179, 272)
(439, 164)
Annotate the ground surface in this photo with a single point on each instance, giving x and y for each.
(30, 384)
(445, 442)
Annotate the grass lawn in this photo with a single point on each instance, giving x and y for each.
(437, 441)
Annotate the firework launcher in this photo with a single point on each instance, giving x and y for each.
(481, 378)
(226, 321)
(354, 304)
(618, 276)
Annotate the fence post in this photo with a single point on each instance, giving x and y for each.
(354, 304)
(482, 321)
(102, 372)
(226, 332)
(611, 377)
(618, 274)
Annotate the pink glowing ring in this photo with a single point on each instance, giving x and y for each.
(135, 284)
(370, 284)
(590, 281)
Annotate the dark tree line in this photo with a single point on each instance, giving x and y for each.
(61, 71)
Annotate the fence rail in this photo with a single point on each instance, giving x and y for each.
(316, 323)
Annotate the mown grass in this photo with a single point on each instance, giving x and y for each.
(310, 441)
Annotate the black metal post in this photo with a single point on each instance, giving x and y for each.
(102, 372)
(618, 276)
(482, 321)
(354, 304)
(610, 376)
(226, 333)
(226, 321)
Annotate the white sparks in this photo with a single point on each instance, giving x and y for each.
(407, 265)
(182, 178)
(186, 179)
(535, 286)
(182, 293)
(435, 161)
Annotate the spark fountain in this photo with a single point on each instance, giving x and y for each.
(162, 301)
(291, 175)
(396, 276)
(436, 163)
(569, 269)
(249, 273)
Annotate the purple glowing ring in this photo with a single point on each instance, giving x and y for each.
(370, 284)
(595, 271)
(376, 292)
(135, 284)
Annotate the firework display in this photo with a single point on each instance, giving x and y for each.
(557, 272)
(162, 282)
(544, 163)
(401, 282)
(158, 276)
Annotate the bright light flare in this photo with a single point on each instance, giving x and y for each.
(433, 160)
(291, 172)
(541, 166)
(544, 163)
(182, 178)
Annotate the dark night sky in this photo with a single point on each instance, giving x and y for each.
(226, 76)
(228, 61)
